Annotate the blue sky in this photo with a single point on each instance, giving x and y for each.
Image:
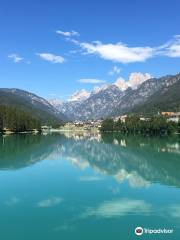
(54, 48)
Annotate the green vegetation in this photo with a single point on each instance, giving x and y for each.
(21, 150)
(16, 120)
(167, 100)
(156, 125)
(31, 104)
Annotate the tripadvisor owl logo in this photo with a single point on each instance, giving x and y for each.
(138, 231)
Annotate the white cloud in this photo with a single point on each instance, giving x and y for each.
(15, 57)
(50, 202)
(76, 42)
(122, 53)
(118, 208)
(67, 34)
(118, 52)
(171, 48)
(51, 57)
(114, 70)
(91, 80)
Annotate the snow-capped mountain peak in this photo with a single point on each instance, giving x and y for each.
(121, 84)
(117, 98)
(79, 95)
(97, 89)
(55, 102)
(135, 79)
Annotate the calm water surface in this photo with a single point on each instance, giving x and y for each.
(74, 187)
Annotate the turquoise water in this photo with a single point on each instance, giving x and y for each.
(74, 187)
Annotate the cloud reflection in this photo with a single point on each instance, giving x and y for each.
(50, 202)
(90, 178)
(118, 208)
(13, 201)
(174, 210)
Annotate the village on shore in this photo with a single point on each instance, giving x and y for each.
(94, 126)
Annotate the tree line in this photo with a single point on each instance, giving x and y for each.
(153, 126)
(17, 120)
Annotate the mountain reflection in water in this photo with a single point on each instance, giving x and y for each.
(137, 159)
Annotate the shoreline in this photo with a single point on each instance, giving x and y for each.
(94, 131)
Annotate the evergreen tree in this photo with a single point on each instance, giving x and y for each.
(134, 125)
(17, 120)
(107, 125)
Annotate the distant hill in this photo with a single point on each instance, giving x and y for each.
(28, 102)
(166, 99)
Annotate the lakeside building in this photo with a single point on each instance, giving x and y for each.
(171, 116)
(124, 117)
(96, 124)
(84, 125)
(88, 123)
(121, 117)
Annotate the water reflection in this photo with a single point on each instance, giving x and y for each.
(117, 208)
(18, 151)
(138, 160)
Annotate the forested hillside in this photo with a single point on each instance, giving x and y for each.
(31, 104)
(167, 99)
(16, 120)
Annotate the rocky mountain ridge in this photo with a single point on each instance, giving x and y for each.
(32, 104)
(111, 100)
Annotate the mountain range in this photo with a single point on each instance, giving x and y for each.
(165, 99)
(142, 94)
(34, 105)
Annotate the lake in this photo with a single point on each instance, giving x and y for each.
(73, 187)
